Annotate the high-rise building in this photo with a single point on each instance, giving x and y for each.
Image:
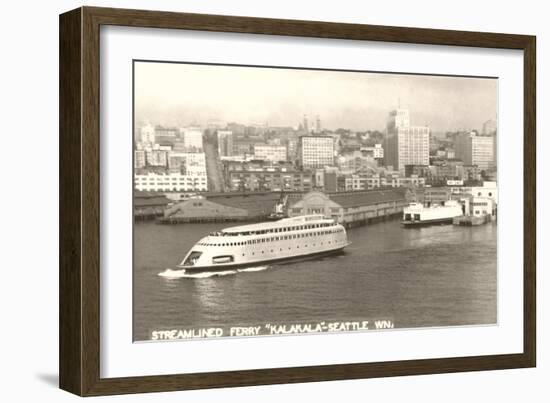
(316, 151)
(148, 134)
(405, 144)
(291, 148)
(157, 158)
(489, 127)
(187, 163)
(476, 149)
(139, 159)
(192, 138)
(225, 143)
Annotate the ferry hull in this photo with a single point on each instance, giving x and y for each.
(424, 223)
(235, 266)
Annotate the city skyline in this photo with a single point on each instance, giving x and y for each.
(180, 94)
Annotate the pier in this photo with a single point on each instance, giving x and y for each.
(351, 209)
(470, 221)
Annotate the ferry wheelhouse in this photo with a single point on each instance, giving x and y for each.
(267, 242)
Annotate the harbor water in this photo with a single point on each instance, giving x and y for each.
(419, 277)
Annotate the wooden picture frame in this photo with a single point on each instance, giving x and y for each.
(79, 281)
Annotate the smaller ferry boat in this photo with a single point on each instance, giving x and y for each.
(416, 214)
(250, 245)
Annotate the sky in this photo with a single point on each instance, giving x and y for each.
(176, 94)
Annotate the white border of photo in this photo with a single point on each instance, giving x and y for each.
(120, 357)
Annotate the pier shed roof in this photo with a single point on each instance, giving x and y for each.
(257, 204)
(146, 199)
(370, 197)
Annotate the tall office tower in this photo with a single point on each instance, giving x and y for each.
(305, 124)
(405, 144)
(225, 143)
(316, 151)
(148, 134)
(318, 124)
(192, 138)
(475, 149)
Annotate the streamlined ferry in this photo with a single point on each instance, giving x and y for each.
(268, 242)
(417, 214)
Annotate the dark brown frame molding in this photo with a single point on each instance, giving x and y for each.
(79, 322)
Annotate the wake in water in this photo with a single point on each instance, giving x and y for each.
(169, 273)
(253, 269)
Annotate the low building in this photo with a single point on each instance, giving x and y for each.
(269, 152)
(471, 173)
(270, 180)
(488, 190)
(330, 181)
(203, 210)
(157, 158)
(376, 152)
(243, 145)
(187, 163)
(177, 182)
(423, 171)
(257, 204)
(413, 181)
(149, 205)
(356, 162)
(432, 195)
(482, 206)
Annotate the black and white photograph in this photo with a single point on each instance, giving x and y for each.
(272, 201)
